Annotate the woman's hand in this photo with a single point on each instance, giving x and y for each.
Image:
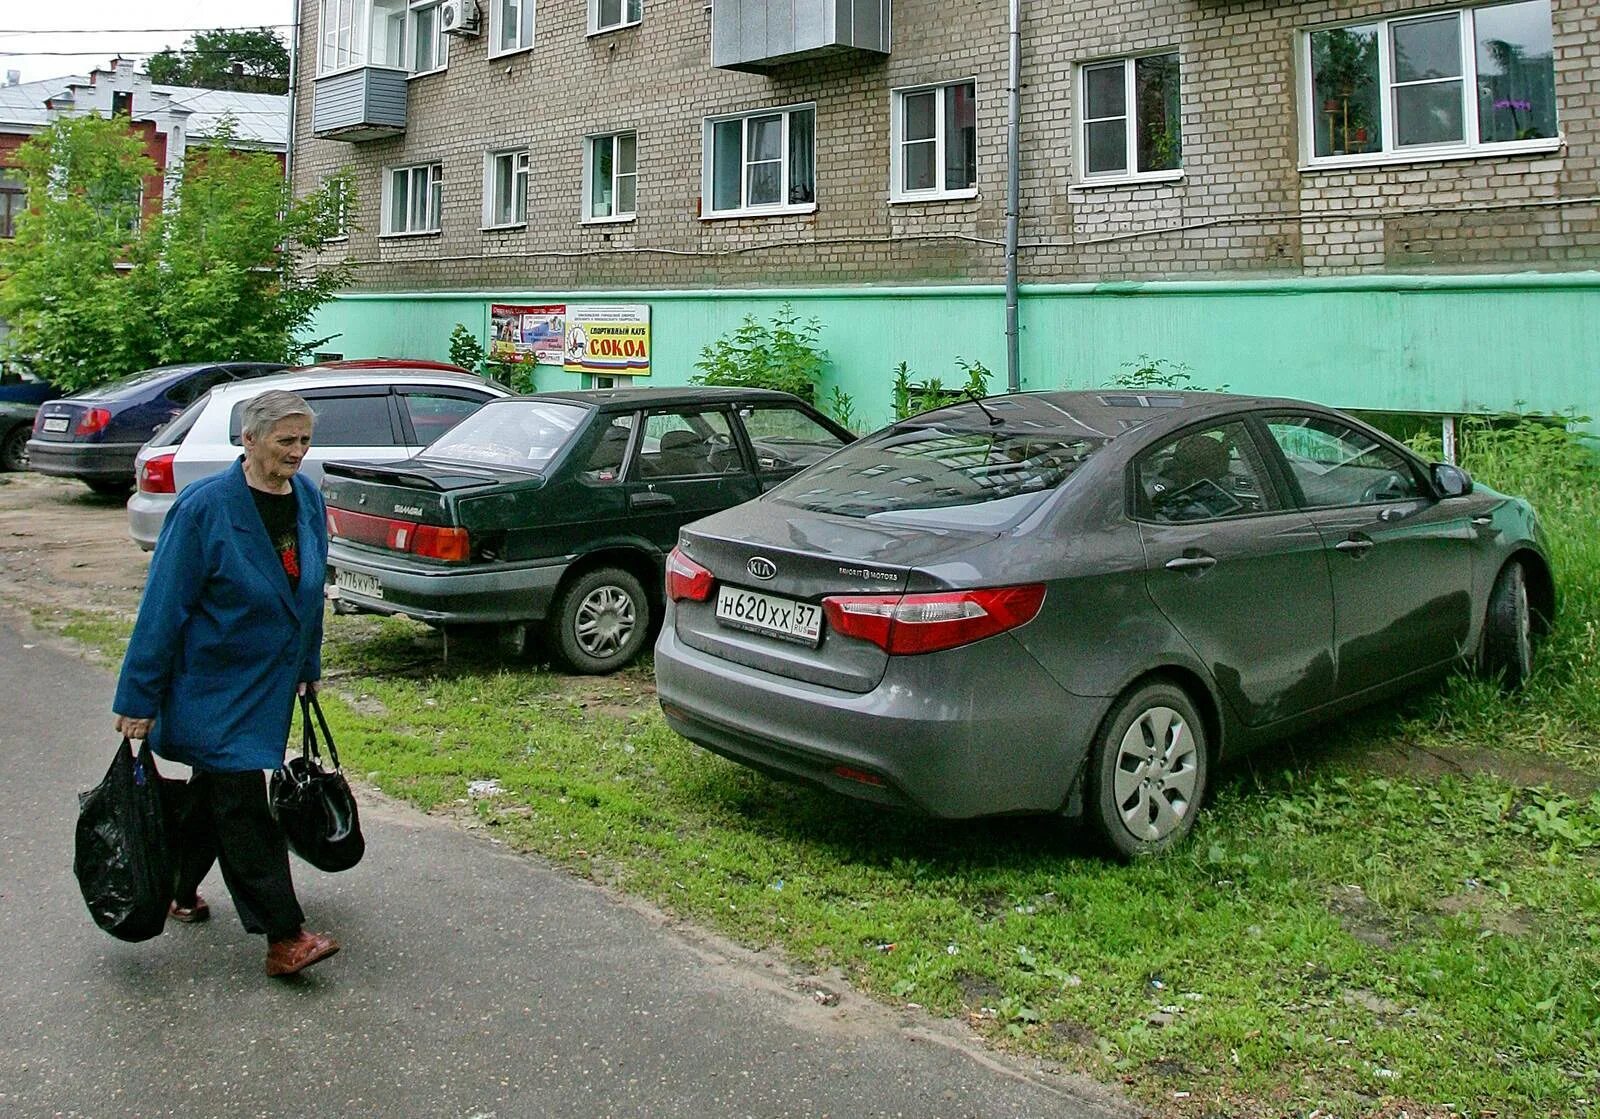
(132, 728)
(307, 687)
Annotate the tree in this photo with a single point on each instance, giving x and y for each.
(219, 274)
(243, 61)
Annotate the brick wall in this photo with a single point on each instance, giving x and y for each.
(1243, 207)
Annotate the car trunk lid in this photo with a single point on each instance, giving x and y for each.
(67, 421)
(768, 559)
(410, 506)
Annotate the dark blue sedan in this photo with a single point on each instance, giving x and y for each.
(95, 434)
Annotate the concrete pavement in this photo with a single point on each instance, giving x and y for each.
(472, 983)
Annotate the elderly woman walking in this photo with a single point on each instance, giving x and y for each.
(229, 630)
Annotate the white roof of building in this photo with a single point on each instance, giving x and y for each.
(260, 119)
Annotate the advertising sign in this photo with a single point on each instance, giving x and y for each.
(527, 334)
(612, 339)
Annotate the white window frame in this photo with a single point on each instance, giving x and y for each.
(597, 28)
(441, 44)
(1416, 153)
(346, 20)
(1130, 172)
(708, 154)
(589, 217)
(521, 174)
(432, 175)
(339, 192)
(897, 191)
(525, 17)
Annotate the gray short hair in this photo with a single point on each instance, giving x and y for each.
(262, 413)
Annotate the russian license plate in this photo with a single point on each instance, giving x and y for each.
(776, 617)
(357, 583)
(56, 423)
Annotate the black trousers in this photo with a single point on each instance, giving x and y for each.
(227, 820)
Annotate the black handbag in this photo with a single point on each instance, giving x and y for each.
(120, 854)
(313, 805)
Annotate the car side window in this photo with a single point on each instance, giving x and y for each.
(688, 444)
(434, 413)
(1204, 475)
(1336, 464)
(785, 438)
(605, 461)
(342, 420)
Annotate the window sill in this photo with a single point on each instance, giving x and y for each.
(339, 240)
(407, 234)
(594, 31)
(934, 196)
(427, 73)
(1154, 178)
(762, 212)
(1437, 155)
(506, 227)
(619, 219)
(496, 57)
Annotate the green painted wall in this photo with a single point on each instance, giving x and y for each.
(1447, 344)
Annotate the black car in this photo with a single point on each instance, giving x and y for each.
(95, 434)
(559, 509)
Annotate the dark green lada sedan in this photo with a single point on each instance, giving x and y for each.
(554, 512)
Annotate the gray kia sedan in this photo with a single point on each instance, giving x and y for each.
(1078, 602)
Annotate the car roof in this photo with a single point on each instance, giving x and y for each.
(1105, 413)
(355, 365)
(663, 397)
(319, 376)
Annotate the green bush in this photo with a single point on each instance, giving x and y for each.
(911, 397)
(781, 355)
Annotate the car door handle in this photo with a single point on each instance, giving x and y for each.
(650, 499)
(1355, 546)
(1483, 522)
(1195, 564)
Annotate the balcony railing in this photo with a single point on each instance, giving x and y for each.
(366, 103)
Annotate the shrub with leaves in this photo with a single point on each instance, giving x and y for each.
(1148, 372)
(911, 397)
(782, 355)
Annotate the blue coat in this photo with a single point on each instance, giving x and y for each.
(222, 642)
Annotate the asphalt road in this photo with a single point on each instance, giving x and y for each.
(472, 983)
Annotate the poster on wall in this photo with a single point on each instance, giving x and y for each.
(612, 339)
(519, 334)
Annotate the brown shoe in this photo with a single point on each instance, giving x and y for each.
(297, 952)
(189, 914)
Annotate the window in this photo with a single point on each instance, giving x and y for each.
(606, 459)
(608, 15)
(505, 189)
(510, 26)
(1128, 118)
(760, 162)
(1450, 83)
(611, 175)
(934, 142)
(362, 33)
(13, 200)
(1335, 464)
(427, 50)
(351, 418)
(338, 211)
(432, 412)
(1203, 476)
(785, 439)
(681, 445)
(413, 197)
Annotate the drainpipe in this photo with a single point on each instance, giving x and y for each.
(1013, 159)
(294, 80)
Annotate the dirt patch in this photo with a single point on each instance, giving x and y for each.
(1361, 916)
(63, 548)
(1404, 759)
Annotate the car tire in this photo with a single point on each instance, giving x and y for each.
(1506, 650)
(14, 448)
(106, 487)
(1147, 772)
(600, 622)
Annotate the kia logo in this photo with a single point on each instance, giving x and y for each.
(761, 567)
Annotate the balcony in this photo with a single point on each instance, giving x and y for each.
(366, 103)
(759, 36)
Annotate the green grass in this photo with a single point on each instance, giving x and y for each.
(1342, 932)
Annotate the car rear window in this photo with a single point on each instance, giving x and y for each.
(938, 468)
(525, 434)
(132, 381)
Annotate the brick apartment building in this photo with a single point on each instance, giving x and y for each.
(1385, 205)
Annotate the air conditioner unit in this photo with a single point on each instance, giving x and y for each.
(459, 17)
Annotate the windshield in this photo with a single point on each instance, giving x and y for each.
(525, 434)
(907, 470)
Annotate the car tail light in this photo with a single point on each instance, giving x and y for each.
(92, 421)
(904, 625)
(453, 545)
(155, 474)
(38, 421)
(687, 579)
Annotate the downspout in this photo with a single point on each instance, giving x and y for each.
(294, 81)
(1013, 203)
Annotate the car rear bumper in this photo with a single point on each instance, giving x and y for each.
(146, 514)
(100, 462)
(976, 731)
(471, 595)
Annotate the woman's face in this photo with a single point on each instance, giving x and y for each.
(276, 456)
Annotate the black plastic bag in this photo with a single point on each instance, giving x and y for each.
(121, 856)
(314, 806)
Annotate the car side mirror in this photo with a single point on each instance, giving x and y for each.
(1449, 480)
